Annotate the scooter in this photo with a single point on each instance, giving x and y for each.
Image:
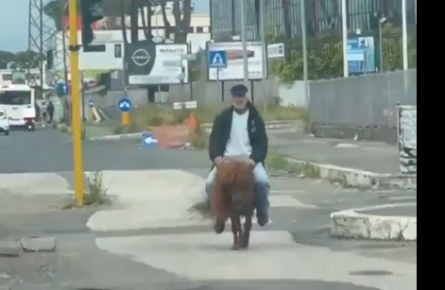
(30, 125)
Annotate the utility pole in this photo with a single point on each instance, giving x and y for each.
(41, 29)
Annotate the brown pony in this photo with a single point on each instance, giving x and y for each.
(233, 198)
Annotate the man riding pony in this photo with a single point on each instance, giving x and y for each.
(240, 131)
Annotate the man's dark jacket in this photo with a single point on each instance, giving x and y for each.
(221, 133)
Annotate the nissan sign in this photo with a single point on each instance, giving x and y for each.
(141, 57)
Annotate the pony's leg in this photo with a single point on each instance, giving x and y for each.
(247, 227)
(235, 231)
(220, 224)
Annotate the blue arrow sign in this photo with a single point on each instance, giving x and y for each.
(217, 59)
(91, 103)
(149, 141)
(124, 105)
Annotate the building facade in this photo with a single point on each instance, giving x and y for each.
(282, 16)
(106, 52)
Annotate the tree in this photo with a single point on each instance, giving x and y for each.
(134, 19)
(182, 24)
(146, 23)
(22, 59)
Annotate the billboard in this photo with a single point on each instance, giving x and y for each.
(235, 68)
(148, 63)
(361, 55)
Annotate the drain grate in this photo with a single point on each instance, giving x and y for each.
(371, 273)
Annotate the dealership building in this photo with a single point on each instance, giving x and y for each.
(106, 52)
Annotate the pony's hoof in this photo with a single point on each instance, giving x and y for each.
(219, 227)
(235, 247)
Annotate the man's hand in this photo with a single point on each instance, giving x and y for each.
(251, 162)
(218, 160)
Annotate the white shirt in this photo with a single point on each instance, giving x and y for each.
(239, 143)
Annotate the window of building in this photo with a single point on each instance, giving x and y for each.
(199, 29)
(118, 51)
(94, 48)
(7, 77)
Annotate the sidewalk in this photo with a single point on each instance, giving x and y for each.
(355, 164)
(373, 157)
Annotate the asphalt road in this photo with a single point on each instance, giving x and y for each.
(78, 264)
(48, 150)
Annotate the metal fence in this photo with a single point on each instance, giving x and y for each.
(364, 104)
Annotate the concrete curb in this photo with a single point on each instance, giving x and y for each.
(14, 248)
(350, 177)
(353, 224)
(270, 125)
(206, 126)
(119, 136)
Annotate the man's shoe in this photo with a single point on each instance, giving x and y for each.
(262, 220)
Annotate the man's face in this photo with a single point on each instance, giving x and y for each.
(239, 102)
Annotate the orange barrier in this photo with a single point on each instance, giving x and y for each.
(177, 136)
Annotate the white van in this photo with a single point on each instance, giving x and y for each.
(18, 101)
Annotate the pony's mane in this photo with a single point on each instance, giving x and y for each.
(229, 173)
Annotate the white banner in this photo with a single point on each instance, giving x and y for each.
(157, 64)
(235, 69)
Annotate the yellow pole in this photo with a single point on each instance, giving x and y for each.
(125, 118)
(75, 101)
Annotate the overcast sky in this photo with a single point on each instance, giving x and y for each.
(14, 23)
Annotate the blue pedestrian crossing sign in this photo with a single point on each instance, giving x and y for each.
(124, 105)
(217, 59)
(149, 141)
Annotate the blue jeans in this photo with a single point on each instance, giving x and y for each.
(262, 187)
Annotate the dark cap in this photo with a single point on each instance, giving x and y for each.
(239, 91)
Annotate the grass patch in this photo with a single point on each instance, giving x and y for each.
(96, 193)
(145, 117)
(280, 162)
(276, 112)
(200, 141)
(62, 127)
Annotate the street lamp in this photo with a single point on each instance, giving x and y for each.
(381, 22)
(244, 42)
(304, 43)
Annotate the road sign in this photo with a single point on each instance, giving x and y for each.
(217, 59)
(91, 103)
(124, 105)
(188, 57)
(149, 141)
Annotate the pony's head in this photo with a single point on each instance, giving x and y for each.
(236, 180)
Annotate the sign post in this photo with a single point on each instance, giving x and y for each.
(75, 102)
(125, 107)
(217, 59)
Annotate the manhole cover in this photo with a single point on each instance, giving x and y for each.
(91, 289)
(371, 273)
